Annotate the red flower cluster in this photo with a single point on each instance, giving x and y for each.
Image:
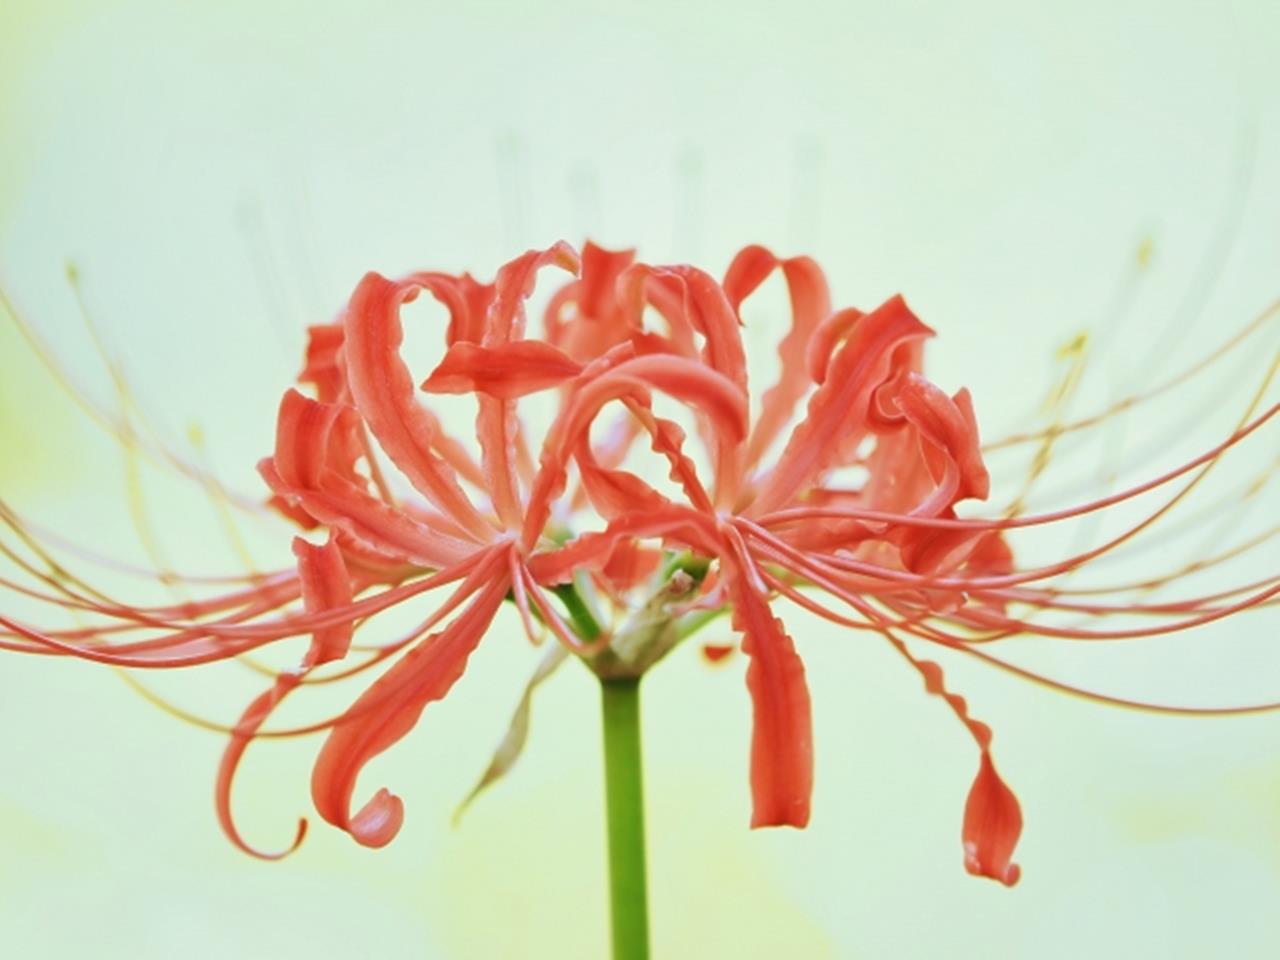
(836, 489)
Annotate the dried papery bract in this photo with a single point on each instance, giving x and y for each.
(618, 543)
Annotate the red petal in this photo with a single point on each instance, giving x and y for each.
(968, 449)
(690, 528)
(324, 369)
(782, 727)
(631, 564)
(326, 585)
(514, 284)
(837, 410)
(303, 430)
(810, 305)
(597, 321)
(390, 533)
(292, 512)
(497, 427)
(750, 268)
(686, 380)
(667, 438)
(506, 372)
(705, 307)
(992, 825)
(992, 817)
(379, 820)
(388, 710)
(826, 338)
(949, 424)
(991, 556)
(716, 652)
(454, 453)
(615, 493)
(468, 301)
(383, 392)
(600, 271)
(589, 551)
(245, 730)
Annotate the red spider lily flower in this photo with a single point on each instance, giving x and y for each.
(854, 518)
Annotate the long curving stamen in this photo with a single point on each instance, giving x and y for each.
(156, 450)
(1126, 403)
(799, 514)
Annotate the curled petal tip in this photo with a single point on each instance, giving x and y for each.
(379, 820)
(566, 257)
(298, 837)
(992, 825)
(1008, 875)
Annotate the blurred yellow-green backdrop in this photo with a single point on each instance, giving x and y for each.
(222, 174)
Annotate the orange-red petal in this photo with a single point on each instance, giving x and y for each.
(710, 393)
(782, 724)
(507, 372)
(992, 816)
(837, 410)
(383, 392)
(388, 710)
(992, 825)
(497, 426)
(244, 731)
(810, 305)
(326, 585)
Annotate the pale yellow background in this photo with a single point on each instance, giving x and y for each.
(224, 174)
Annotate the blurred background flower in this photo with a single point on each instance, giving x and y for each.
(222, 177)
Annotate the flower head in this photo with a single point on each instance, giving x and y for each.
(664, 490)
